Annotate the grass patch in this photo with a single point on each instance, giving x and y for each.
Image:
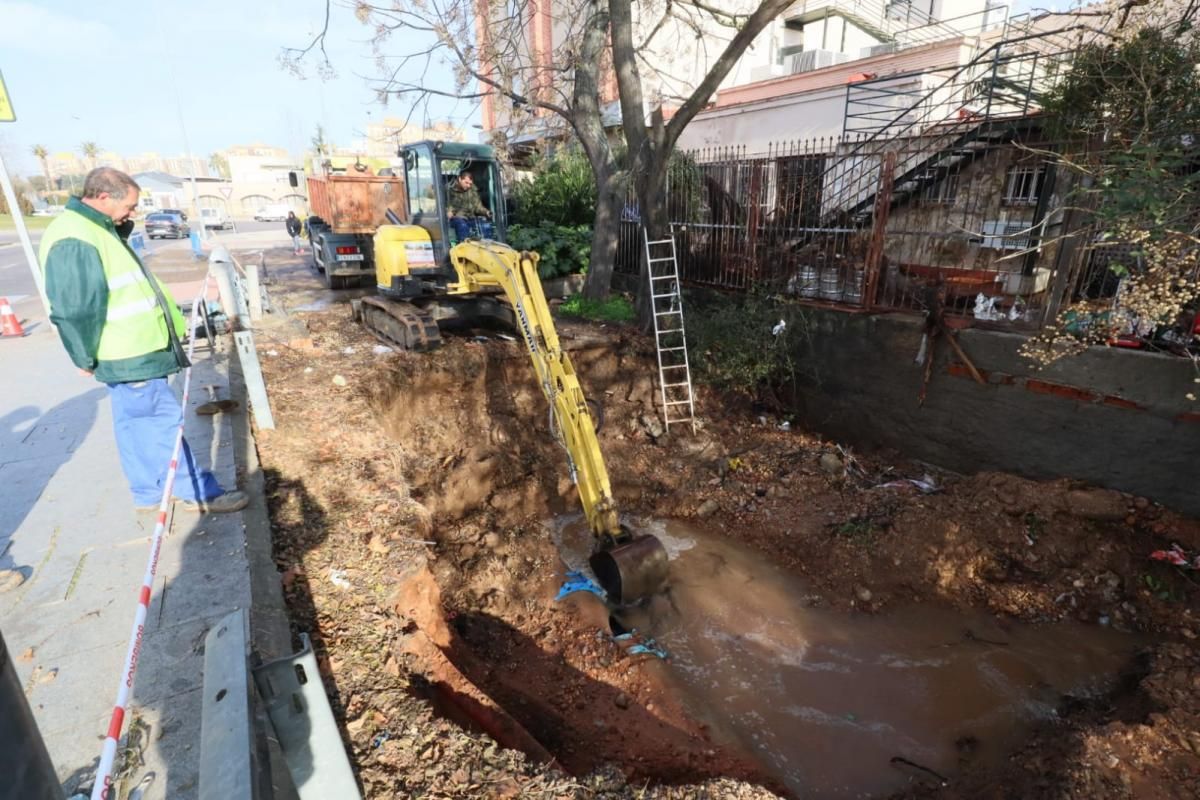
(615, 308)
(31, 222)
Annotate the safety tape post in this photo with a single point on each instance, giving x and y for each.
(102, 789)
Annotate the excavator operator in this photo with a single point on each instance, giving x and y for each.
(465, 209)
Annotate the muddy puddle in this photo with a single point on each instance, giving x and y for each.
(854, 705)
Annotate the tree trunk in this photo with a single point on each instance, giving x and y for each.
(651, 200)
(606, 234)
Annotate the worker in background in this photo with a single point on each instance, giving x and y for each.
(464, 206)
(293, 228)
(121, 325)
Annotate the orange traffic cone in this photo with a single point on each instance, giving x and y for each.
(9, 324)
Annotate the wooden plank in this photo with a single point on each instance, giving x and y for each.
(883, 205)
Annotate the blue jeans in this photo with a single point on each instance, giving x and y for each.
(477, 227)
(146, 417)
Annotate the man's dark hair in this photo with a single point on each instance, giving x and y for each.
(465, 171)
(106, 180)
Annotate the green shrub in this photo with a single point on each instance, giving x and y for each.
(564, 249)
(561, 191)
(615, 308)
(732, 345)
(22, 201)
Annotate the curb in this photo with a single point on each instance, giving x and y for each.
(270, 632)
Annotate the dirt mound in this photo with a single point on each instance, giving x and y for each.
(446, 459)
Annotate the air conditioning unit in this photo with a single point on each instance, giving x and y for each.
(809, 60)
(1001, 234)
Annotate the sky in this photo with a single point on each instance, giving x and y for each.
(168, 76)
(123, 74)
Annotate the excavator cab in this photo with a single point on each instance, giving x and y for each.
(431, 170)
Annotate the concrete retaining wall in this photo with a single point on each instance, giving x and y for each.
(1110, 417)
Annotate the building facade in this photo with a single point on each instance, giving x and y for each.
(259, 176)
(384, 138)
(64, 164)
(680, 48)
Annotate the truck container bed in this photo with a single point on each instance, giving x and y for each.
(356, 203)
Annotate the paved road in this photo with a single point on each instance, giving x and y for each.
(15, 278)
(17, 284)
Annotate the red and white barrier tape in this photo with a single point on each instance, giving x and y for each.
(102, 789)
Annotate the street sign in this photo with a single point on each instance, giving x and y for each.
(227, 191)
(6, 110)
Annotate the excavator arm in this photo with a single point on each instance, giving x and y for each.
(483, 265)
(628, 566)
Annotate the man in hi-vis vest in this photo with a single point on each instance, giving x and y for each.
(121, 325)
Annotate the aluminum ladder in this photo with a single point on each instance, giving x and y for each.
(674, 372)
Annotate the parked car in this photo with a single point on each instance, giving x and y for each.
(182, 214)
(162, 225)
(215, 218)
(273, 213)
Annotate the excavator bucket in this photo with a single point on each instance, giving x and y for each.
(632, 571)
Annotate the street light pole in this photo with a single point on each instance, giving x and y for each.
(187, 148)
(23, 234)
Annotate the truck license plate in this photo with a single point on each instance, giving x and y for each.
(354, 257)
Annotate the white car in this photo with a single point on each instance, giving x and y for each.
(275, 213)
(215, 218)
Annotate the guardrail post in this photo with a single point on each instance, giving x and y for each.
(227, 742)
(253, 293)
(229, 284)
(217, 266)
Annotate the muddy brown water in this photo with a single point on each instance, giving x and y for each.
(845, 705)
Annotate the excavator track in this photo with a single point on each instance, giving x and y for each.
(402, 325)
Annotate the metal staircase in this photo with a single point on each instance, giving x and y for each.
(670, 342)
(940, 127)
(884, 20)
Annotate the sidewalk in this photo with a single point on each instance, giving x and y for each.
(68, 524)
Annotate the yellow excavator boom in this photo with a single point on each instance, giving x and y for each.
(485, 265)
(628, 566)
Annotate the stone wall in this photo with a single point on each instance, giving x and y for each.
(1111, 417)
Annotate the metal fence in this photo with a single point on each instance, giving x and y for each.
(979, 220)
(944, 192)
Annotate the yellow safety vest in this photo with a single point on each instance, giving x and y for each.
(134, 324)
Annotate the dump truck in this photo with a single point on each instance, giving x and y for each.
(345, 211)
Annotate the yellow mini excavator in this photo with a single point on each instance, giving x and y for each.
(435, 268)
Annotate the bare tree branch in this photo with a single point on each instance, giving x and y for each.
(292, 56)
(762, 16)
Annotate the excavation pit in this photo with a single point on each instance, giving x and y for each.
(881, 625)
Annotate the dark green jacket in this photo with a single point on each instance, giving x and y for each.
(464, 202)
(78, 293)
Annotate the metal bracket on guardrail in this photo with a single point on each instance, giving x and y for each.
(295, 699)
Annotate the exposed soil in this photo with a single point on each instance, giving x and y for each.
(410, 493)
